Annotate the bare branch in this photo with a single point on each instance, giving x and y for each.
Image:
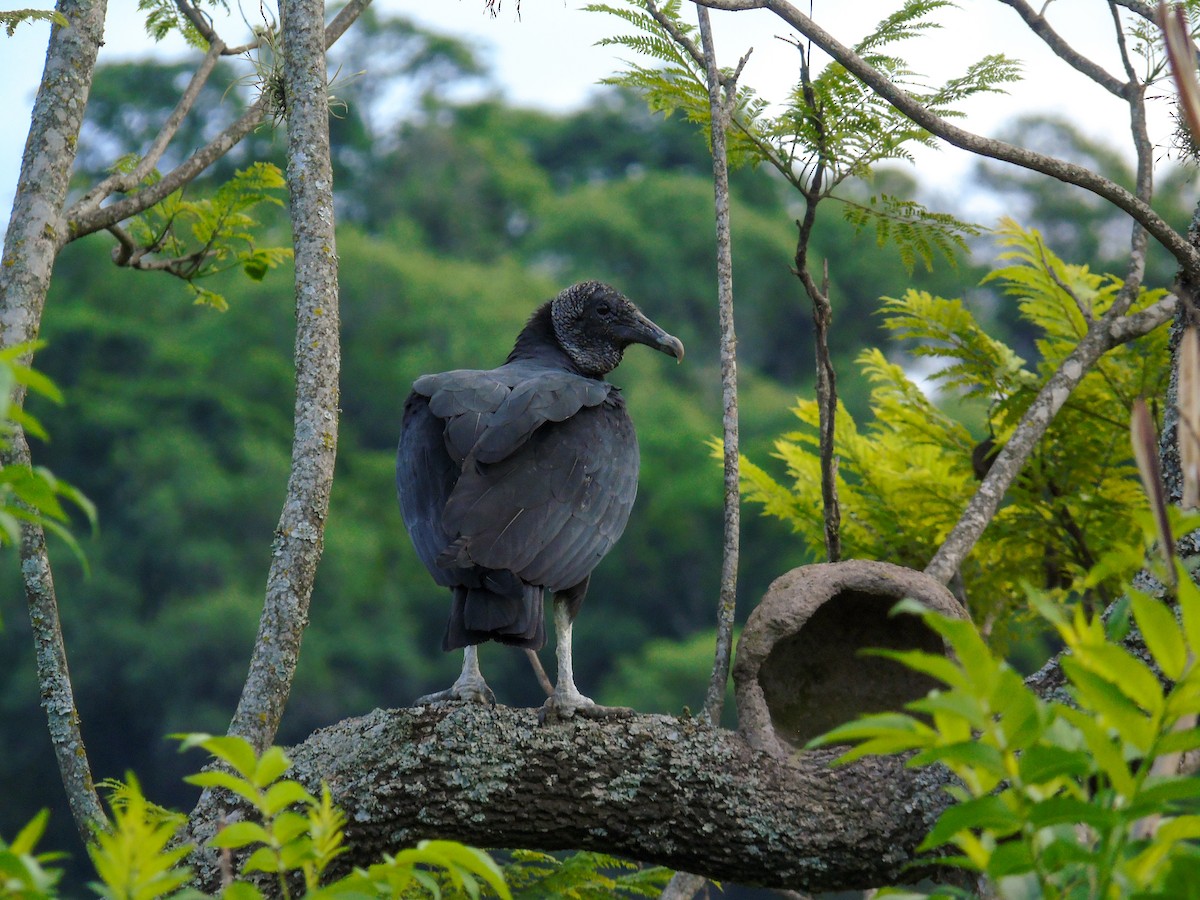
(101, 218)
(126, 181)
(82, 222)
(1145, 10)
(827, 408)
(1127, 328)
(346, 17)
(1038, 25)
(1070, 173)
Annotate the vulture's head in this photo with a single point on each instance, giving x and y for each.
(594, 323)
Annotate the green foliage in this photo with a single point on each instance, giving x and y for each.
(833, 126)
(137, 859)
(10, 19)
(164, 17)
(199, 238)
(24, 874)
(1054, 798)
(32, 494)
(581, 876)
(905, 477)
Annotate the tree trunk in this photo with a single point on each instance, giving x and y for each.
(300, 535)
(36, 232)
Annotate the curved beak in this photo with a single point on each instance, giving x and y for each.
(644, 331)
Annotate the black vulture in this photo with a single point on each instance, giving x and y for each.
(518, 480)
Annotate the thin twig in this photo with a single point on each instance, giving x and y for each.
(539, 671)
(813, 191)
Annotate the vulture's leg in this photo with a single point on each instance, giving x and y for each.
(470, 686)
(566, 700)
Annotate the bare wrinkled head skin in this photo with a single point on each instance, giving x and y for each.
(594, 323)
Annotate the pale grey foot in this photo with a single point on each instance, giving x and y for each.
(566, 701)
(469, 687)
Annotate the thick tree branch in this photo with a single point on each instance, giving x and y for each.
(299, 537)
(1175, 243)
(653, 788)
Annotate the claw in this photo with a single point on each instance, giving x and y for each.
(460, 692)
(468, 688)
(568, 704)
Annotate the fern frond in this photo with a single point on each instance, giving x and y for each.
(918, 233)
(10, 19)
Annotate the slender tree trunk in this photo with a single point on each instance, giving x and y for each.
(299, 537)
(36, 232)
(720, 98)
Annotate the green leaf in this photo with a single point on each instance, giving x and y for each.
(1179, 741)
(240, 834)
(1022, 715)
(1162, 633)
(284, 794)
(1103, 698)
(270, 766)
(1161, 796)
(27, 837)
(1041, 764)
(226, 780)
(1189, 606)
(936, 665)
(289, 825)
(951, 703)
(1010, 858)
(1108, 756)
(1065, 810)
(236, 752)
(988, 813)
(241, 890)
(973, 755)
(263, 859)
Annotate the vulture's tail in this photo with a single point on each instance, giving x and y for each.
(508, 613)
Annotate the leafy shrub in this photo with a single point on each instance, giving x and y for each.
(1062, 798)
(905, 477)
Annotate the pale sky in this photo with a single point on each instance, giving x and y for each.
(548, 58)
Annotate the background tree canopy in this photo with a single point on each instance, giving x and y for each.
(456, 221)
